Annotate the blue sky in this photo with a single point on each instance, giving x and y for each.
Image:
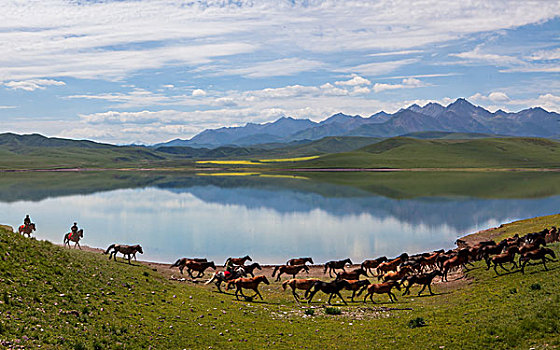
(151, 71)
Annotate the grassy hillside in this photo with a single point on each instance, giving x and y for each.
(60, 298)
(402, 152)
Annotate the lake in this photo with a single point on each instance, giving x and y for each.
(274, 217)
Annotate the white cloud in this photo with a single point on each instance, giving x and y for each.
(281, 67)
(33, 84)
(478, 55)
(356, 80)
(113, 39)
(496, 96)
(378, 68)
(407, 83)
(198, 93)
(542, 55)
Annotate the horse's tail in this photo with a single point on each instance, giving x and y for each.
(65, 239)
(110, 247)
(177, 263)
(211, 278)
(284, 284)
(227, 261)
(325, 269)
(275, 269)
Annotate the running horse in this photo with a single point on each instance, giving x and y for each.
(74, 237)
(331, 266)
(225, 276)
(289, 269)
(247, 283)
(127, 250)
(238, 261)
(26, 229)
(299, 261)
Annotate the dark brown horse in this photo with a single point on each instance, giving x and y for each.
(74, 237)
(299, 261)
(381, 288)
(290, 270)
(238, 261)
(199, 267)
(27, 229)
(249, 269)
(247, 283)
(508, 256)
(367, 265)
(539, 254)
(460, 259)
(297, 283)
(331, 288)
(128, 250)
(424, 279)
(333, 265)
(181, 263)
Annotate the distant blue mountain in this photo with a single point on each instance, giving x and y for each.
(460, 116)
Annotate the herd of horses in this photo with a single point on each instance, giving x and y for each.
(403, 271)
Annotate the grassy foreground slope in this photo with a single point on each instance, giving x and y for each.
(402, 152)
(60, 298)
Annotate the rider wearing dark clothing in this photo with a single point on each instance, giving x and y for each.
(73, 229)
(27, 220)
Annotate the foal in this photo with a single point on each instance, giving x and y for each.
(290, 270)
(248, 283)
(331, 288)
(336, 264)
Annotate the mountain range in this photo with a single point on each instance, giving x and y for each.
(460, 116)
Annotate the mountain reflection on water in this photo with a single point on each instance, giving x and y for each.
(270, 219)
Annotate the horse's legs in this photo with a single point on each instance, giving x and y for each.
(430, 289)
(544, 263)
(421, 290)
(236, 293)
(341, 298)
(278, 277)
(311, 294)
(371, 298)
(259, 294)
(330, 271)
(353, 294)
(296, 297)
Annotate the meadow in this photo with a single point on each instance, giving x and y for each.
(59, 298)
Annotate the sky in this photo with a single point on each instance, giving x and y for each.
(149, 71)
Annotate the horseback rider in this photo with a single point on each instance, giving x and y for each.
(26, 221)
(73, 230)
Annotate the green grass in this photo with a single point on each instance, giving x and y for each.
(60, 298)
(400, 152)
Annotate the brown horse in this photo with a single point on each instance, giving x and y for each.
(181, 263)
(336, 264)
(351, 275)
(238, 261)
(424, 279)
(290, 270)
(27, 229)
(508, 256)
(299, 261)
(539, 254)
(250, 269)
(127, 250)
(199, 267)
(460, 259)
(356, 285)
(331, 288)
(381, 288)
(247, 283)
(296, 283)
(392, 265)
(367, 265)
(224, 276)
(74, 237)
(396, 275)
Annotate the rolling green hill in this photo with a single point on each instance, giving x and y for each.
(56, 298)
(401, 152)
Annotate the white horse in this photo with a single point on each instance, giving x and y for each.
(220, 276)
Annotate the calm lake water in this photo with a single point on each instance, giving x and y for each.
(273, 218)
